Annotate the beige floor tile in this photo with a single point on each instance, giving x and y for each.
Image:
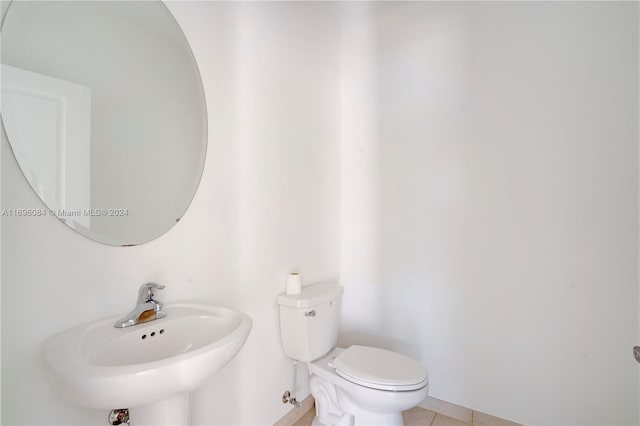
(418, 416)
(482, 419)
(307, 418)
(442, 420)
(448, 409)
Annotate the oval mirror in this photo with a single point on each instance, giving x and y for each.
(103, 106)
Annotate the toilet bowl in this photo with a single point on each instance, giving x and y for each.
(359, 400)
(358, 385)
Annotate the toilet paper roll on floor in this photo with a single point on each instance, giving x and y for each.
(294, 283)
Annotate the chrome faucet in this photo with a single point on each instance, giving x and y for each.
(147, 307)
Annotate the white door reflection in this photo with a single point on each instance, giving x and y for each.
(49, 121)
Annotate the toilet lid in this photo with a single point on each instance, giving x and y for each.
(380, 369)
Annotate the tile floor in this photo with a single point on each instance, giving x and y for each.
(419, 416)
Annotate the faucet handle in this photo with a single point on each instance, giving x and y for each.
(148, 292)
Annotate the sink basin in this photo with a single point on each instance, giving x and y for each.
(100, 366)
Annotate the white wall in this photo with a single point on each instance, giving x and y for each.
(266, 204)
(486, 221)
(497, 185)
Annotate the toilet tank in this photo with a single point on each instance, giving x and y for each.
(309, 321)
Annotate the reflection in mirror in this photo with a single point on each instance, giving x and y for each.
(103, 106)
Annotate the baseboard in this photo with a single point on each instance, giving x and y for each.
(448, 409)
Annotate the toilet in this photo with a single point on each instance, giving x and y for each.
(358, 385)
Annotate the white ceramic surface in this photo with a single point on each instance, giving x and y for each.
(346, 399)
(380, 369)
(310, 321)
(99, 366)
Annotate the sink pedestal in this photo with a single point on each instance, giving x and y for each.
(173, 411)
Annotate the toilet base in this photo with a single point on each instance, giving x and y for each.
(328, 409)
(376, 421)
(363, 417)
(353, 416)
(335, 407)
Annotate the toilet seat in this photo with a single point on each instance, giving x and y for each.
(380, 369)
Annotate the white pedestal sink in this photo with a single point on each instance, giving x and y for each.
(149, 368)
